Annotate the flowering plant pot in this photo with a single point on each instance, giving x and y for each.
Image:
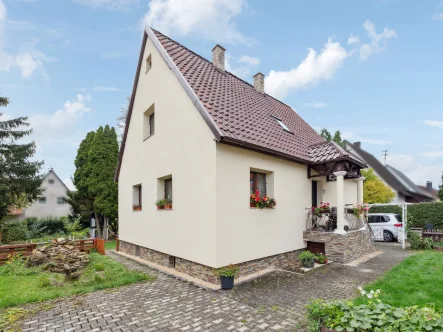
(255, 200)
(252, 205)
(136, 207)
(227, 275)
(321, 259)
(307, 259)
(321, 209)
(168, 206)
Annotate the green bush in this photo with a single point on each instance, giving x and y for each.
(421, 213)
(15, 231)
(419, 243)
(372, 316)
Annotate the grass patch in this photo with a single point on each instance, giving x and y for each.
(416, 280)
(110, 245)
(21, 285)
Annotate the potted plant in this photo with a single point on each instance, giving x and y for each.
(136, 207)
(168, 205)
(359, 211)
(261, 202)
(321, 259)
(307, 259)
(321, 209)
(227, 275)
(160, 204)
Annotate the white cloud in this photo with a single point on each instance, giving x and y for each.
(378, 41)
(433, 123)
(433, 154)
(28, 59)
(249, 60)
(108, 4)
(111, 55)
(61, 122)
(350, 135)
(438, 13)
(106, 89)
(316, 104)
(316, 67)
(240, 67)
(352, 40)
(403, 162)
(212, 20)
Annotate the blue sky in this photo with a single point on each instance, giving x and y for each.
(372, 69)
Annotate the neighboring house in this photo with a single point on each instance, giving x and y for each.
(205, 140)
(431, 190)
(405, 190)
(51, 203)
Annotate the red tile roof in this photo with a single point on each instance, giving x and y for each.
(241, 112)
(238, 114)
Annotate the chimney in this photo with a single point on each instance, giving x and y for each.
(429, 186)
(357, 145)
(218, 57)
(259, 82)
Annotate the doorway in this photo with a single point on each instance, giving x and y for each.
(314, 198)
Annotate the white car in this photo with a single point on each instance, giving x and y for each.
(389, 223)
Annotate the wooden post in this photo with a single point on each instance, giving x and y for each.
(100, 246)
(117, 244)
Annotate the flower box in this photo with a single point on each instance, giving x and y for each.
(136, 208)
(256, 201)
(168, 206)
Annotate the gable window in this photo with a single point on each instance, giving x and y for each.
(257, 181)
(148, 63)
(137, 197)
(148, 122)
(60, 200)
(51, 181)
(282, 124)
(42, 200)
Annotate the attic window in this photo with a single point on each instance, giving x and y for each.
(281, 123)
(148, 63)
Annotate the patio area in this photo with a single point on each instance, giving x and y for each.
(274, 302)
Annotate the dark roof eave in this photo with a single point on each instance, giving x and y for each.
(344, 158)
(257, 148)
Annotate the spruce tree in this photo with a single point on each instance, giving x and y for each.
(19, 175)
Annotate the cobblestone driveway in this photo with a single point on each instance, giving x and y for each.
(272, 303)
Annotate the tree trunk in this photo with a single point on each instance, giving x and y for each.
(98, 224)
(105, 228)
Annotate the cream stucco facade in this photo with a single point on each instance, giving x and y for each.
(211, 222)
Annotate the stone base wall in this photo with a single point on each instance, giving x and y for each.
(343, 248)
(286, 261)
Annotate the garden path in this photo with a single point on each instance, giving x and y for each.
(274, 302)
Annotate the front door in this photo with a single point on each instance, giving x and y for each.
(314, 193)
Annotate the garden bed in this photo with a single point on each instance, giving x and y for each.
(20, 284)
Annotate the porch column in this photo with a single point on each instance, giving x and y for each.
(340, 202)
(360, 189)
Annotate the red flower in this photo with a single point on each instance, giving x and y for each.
(257, 192)
(257, 199)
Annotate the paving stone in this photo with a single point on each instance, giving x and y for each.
(275, 302)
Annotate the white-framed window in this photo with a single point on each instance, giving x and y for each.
(42, 200)
(165, 189)
(149, 122)
(60, 200)
(148, 63)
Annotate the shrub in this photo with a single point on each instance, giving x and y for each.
(422, 213)
(419, 243)
(372, 316)
(307, 258)
(15, 231)
(228, 271)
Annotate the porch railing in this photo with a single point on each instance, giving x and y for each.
(327, 221)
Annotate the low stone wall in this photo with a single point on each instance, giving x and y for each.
(343, 248)
(286, 261)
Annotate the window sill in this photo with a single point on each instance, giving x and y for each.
(136, 210)
(266, 208)
(148, 137)
(169, 209)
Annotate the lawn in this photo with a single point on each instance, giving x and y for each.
(110, 245)
(19, 285)
(417, 280)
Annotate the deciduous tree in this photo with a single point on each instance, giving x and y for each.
(374, 190)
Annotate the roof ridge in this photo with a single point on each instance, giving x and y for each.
(225, 71)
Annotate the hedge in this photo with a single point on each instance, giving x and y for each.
(419, 214)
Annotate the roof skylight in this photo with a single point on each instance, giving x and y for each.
(281, 123)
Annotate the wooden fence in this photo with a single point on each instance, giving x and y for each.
(26, 249)
(435, 234)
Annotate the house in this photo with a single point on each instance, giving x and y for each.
(51, 203)
(405, 190)
(196, 135)
(431, 190)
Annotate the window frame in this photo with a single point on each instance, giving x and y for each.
(137, 197)
(166, 181)
(42, 200)
(51, 181)
(151, 124)
(60, 200)
(255, 182)
(148, 61)
(282, 125)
